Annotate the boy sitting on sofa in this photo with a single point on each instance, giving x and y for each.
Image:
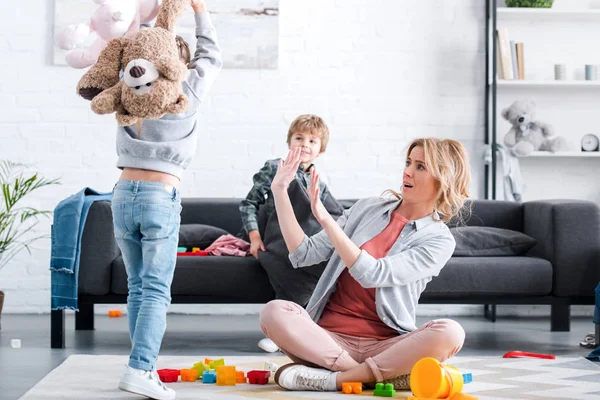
(311, 134)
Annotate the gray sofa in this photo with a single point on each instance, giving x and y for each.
(561, 269)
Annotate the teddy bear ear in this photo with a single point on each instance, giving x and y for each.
(505, 113)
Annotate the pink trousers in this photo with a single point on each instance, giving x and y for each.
(303, 341)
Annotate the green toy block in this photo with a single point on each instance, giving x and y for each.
(200, 367)
(216, 363)
(384, 391)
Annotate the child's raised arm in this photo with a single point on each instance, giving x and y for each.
(207, 62)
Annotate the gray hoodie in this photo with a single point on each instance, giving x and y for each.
(168, 144)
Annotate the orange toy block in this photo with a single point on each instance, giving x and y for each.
(189, 374)
(226, 375)
(114, 313)
(352, 387)
(240, 377)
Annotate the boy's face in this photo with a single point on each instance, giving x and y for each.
(310, 144)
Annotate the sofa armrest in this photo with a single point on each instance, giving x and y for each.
(568, 234)
(98, 250)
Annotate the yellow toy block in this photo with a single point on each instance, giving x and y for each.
(226, 375)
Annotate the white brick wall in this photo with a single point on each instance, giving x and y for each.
(380, 73)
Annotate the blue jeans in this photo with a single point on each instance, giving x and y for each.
(146, 218)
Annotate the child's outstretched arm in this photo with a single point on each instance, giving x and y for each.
(207, 61)
(250, 205)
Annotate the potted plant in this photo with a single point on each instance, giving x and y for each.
(16, 221)
(530, 3)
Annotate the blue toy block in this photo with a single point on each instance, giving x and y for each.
(468, 378)
(209, 376)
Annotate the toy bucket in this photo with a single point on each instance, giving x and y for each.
(430, 379)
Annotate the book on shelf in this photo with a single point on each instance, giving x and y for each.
(521, 59)
(510, 60)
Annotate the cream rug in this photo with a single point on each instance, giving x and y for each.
(89, 377)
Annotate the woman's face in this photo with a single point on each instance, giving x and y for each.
(418, 185)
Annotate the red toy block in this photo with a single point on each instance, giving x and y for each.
(168, 375)
(352, 387)
(240, 377)
(513, 354)
(257, 377)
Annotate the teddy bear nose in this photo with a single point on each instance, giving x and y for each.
(137, 71)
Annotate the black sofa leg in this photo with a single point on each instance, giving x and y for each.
(560, 317)
(84, 318)
(489, 312)
(57, 329)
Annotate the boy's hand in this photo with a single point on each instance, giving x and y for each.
(198, 6)
(256, 243)
(317, 207)
(286, 170)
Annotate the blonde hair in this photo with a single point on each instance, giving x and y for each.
(447, 161)
(310, 123)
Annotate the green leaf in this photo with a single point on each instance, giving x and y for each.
(16, 223)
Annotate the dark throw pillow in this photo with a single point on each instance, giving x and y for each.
(486, 241)
(199, 235)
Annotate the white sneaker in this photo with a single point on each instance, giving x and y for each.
(145, 383)
(300, 377)
(268, 345)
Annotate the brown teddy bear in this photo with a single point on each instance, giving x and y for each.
(152, 72)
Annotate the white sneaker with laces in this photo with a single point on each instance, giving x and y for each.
(300, 377)
(268, 345)
(145, 383)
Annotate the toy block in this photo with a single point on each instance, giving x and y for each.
(168, 375)
(467, 378)
(384, 391)
(257, 377)
(209, 376)
(240, 377)
(195, 249)
(269, 366)
(352, 387)
(189, 375)
(114, 313)
(181, 249)
(226, 375)
(200, 367)
(213, 364)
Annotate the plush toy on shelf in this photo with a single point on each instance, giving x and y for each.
(111, 20)
(528, 134)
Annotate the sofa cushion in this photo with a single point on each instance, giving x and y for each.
(230, 279)
(199, 235)
(481, 241)
(485, 276)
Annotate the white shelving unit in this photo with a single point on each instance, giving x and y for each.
(547, 84)
(548, 13)
(551, 36)
(569, 154)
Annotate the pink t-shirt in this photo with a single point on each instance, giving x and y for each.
(351, 309)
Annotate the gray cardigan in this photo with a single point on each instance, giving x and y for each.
(421, 251)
